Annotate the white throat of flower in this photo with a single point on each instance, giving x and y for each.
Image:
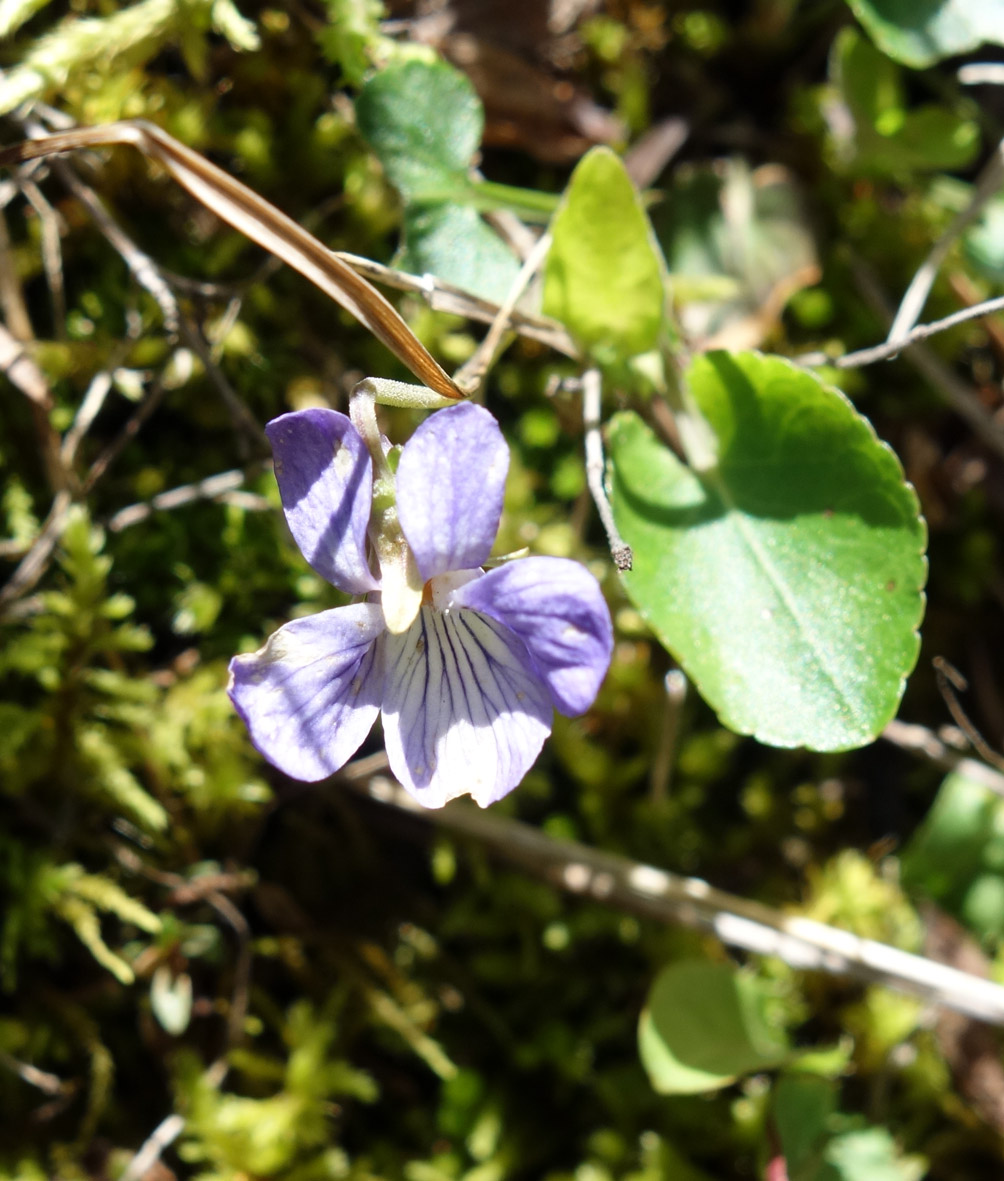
(400, 581)
(440, 590)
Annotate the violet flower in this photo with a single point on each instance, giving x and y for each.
(466, 690)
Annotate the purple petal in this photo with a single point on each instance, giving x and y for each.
(462, 712)
(557, 609)
(326, 482)
(450, 483)
(310, 696)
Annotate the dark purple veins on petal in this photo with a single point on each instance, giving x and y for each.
(463, 711)
(557, 609)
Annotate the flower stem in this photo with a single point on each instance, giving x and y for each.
(592, 392)
(362, 411)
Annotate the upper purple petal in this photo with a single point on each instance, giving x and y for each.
(450, 484)
(310, 696)
(326, 482)
(463, 711)
(557, 609)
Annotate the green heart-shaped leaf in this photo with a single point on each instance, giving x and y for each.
(787, 580)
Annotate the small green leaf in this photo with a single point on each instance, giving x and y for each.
(236, 28)
(787, 580)
(920, 32)
(424, 122)
(818, 1146)
(604, 278)
(703, 1026)
(887, 137)
(352, 36)
(871, 1153)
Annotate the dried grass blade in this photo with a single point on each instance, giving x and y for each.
(242, 208)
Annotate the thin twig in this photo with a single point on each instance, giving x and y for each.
(21, 369)
(210, 888)
(155, 1145)
(661, 774)
(445, 297)
(250, 429)
(647, 158)
(645, 890)
(146, 272)
(142, 267)
(237, 1014)
(889, 349)
(912, 304)
(90, 405)
(221, 487)
(960, 396)
(51, 1084)
(52, 253)
(918, 740)
(8, 191)
(950, 683)
(96, 393)
(592, 397)
(981, 74)
(154, 396)
(470, 376)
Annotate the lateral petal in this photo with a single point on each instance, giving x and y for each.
(311, 694)
(463, 712)
(450, 483)
(555, 606)
(325, 479)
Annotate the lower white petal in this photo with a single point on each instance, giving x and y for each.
(463, 711)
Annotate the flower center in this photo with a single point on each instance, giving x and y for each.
(438, 592)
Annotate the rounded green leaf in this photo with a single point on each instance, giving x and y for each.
(787, 580)
(424, 122)
(703, 1026)
(604, 276)
(453, 243)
